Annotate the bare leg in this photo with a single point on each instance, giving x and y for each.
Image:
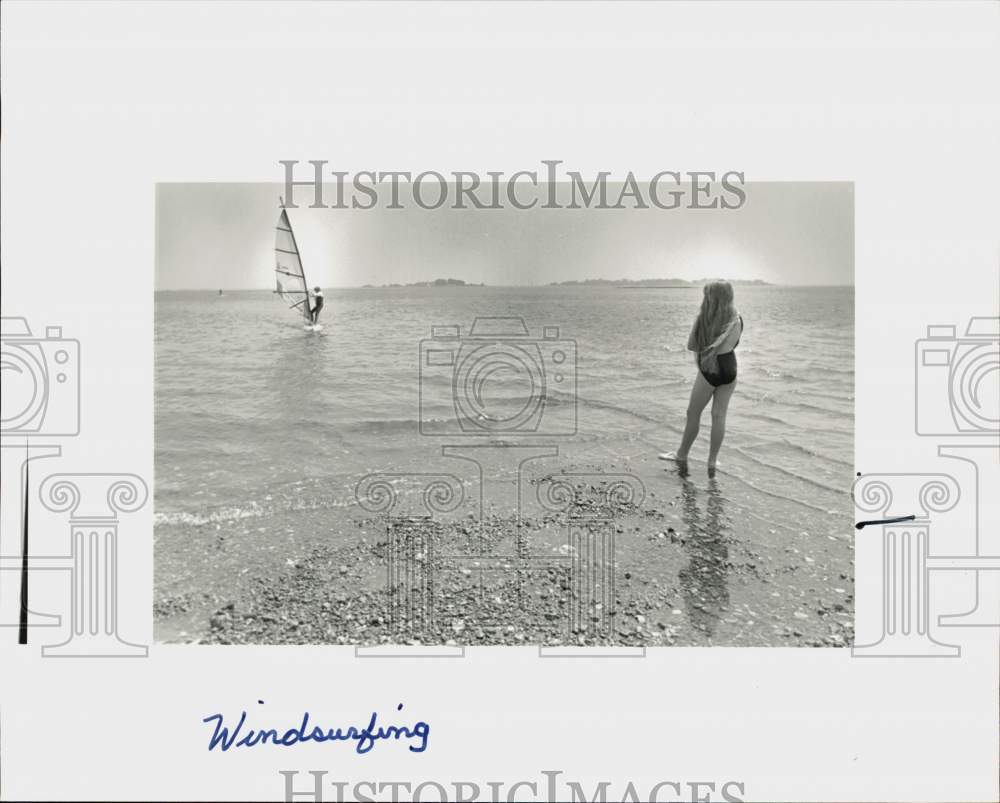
(701, 392)
(720, 404)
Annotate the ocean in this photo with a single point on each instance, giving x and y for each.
(259, 421)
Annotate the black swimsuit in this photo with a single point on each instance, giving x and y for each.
(727, 365)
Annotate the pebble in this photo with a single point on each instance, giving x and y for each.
(302, 609)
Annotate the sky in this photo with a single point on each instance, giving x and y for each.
(212, 236)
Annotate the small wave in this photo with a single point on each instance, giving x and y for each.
(249, 510)
(784, 422)
(775, 495)
(552, 399)
(751, 413)
(818, 373)
(789, 473)
(217, 516)
(615, 408)
(787, 402)
(813, 453)
(829, 369)
(388, 425)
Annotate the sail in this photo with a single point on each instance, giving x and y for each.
(289, 276)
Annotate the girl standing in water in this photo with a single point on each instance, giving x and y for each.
(714, 336)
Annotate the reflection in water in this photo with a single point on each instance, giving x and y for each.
(297, 377)
(296, 400)
(703, 580)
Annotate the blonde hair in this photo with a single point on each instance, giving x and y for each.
(717, 312)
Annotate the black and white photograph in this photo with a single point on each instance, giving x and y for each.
(563, 425)
(500, 401)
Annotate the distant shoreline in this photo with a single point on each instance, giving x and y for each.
(608, 285)
(661, 282)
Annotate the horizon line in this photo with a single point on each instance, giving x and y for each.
(473, 286)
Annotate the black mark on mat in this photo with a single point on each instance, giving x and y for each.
(862, 524)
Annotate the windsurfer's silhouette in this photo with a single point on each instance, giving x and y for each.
(314, 313)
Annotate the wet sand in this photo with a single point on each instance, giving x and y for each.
(692, 567)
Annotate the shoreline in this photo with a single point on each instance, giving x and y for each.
(691, 569)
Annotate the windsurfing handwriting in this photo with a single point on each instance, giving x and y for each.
(365, 737)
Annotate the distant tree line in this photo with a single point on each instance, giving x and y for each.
(434, 283)
(654, 282)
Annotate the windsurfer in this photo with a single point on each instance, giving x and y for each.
(314, 313)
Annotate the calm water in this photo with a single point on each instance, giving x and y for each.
(251, 410)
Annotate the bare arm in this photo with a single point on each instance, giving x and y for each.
(732, 338)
